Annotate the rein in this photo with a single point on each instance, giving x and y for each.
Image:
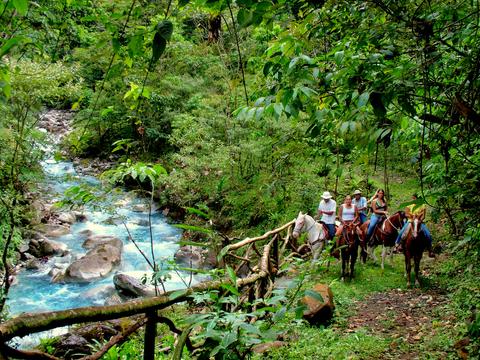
(388, 219)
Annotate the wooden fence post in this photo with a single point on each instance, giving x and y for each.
(275, 252)
(150, 335)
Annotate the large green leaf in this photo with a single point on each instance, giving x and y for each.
(5, 49)
(21, 6)
(165, 29)
(162, 35)
(158, 47)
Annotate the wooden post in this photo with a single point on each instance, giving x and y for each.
(150, 335)
(275, 251)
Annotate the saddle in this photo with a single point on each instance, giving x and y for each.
(380, 224)
(325, 232)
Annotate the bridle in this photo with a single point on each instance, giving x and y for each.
(301, 224)
(388, 219)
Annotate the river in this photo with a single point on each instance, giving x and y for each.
(35, 292)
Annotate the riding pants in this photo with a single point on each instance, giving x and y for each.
(331, 230)
(423, 228)
(374, 219)
(362, 218)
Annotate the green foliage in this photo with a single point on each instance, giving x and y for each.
(226, 335)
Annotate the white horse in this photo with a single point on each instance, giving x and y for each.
(316, 233)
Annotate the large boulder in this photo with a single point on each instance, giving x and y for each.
(131, 286)
(43, 246)
(67, 217)
(96, 240)
(319, 312)
(53, 230)
(96, 264)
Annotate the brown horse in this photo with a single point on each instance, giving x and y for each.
(348, 244)
(415, 244)
(384, 234)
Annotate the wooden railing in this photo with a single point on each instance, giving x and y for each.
(262, 264)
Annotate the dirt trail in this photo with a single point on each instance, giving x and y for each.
(405, 317)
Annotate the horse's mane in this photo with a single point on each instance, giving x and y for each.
(399, 212)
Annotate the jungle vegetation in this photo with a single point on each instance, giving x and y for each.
(254, 108)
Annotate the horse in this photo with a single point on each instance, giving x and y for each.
(316, 233)
(415, 244)
(348, 244)
(384, 234)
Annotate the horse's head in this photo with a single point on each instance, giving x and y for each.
(349, 228)
(349, 233)
(299, 223)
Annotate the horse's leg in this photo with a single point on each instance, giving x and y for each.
(408, 268)
(371, 252)
(363, 252)
(417, 259)
(344, 263)
(315, 252)
(353, 259)
(384, 253)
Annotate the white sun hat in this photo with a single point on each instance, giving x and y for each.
(326, 195)
(357, 192)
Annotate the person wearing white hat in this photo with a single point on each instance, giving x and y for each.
(361, 204)
(327, 209)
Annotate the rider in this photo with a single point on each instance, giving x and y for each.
(379, 208)
(361, 204)
(327, 209)
(413, 212)
(347, 213)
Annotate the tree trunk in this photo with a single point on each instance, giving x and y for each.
(214, 28)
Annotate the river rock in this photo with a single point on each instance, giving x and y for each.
(100, 292)
(85, 233)
(23, 248)
(79, 216)
(195, 257)
(34, 264)
(96, 264)
(67, 217)
(142, 222)
(45, 247)
(112, 220)
(114, 299)
(132, 286)
(140, 208)
(265, 347)
(96, 240)
(97, 331)
(69, 345)
(53, 230)
(319, 312)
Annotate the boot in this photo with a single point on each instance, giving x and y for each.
(430, 253)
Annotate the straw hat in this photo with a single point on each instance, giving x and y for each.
(357, 192)
(326, 195)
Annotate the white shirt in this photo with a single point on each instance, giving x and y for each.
(348, 214)
(330, 206)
